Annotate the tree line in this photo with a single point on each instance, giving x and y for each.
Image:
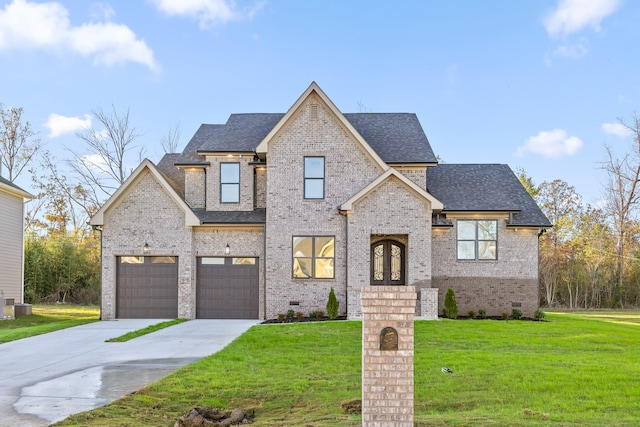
(590, 258)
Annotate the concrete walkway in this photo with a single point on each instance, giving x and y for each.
(46, 378)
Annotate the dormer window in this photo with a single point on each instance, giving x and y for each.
(314, 177)
(229, 182)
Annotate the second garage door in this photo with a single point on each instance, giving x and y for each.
(228, 288)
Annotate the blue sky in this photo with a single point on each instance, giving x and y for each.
(538, 85)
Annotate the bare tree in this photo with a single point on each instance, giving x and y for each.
(623, 194)
(171, 140)
(104, 166)
(17, 142)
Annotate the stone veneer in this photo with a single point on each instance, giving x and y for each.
(387, 373)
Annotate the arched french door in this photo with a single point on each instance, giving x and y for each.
(387, 263)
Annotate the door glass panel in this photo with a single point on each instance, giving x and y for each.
(132, 260)
(163, 260)
(378, 262)
(212, 260)
(244, 261)
(396, 263)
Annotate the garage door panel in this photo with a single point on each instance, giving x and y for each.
(147, 290)
(227, 290)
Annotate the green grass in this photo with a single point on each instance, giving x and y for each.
(47, 318)
(144, 331)
(573, 370)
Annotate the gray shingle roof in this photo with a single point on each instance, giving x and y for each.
(396, 137)
(242, 132)
(256, 216)
(484, 187)
(173, 175)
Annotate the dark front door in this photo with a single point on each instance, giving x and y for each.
(387, 263)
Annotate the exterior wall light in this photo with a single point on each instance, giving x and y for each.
(227, 250)
(146, 249)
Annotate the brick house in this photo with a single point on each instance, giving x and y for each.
(267, 212)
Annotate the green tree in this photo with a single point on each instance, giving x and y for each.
(450, 304)
(332, 305)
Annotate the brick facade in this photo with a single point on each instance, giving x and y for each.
(496, 286)
(347, 170)
(387, 369)
(246, 183)
(147, 214)
(394, 209)
(394, 212)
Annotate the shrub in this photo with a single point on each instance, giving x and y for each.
(516, 314)
(332, 305)
(319, 314)
(450, 304)
(539, 315)
(505, 315)
(472, 314)
(281, 316)
(482, 313)
(299, 315)
(290, 314)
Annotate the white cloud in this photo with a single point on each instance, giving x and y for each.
(60, 125)
(572, 16)
(617, 129)
(46, 26)
(552, 144)
(95, 162)
(207, 12)
(573, 51)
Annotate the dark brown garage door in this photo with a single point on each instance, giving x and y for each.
(227, 288)
(147, 287)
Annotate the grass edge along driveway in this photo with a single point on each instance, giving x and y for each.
(571, 370)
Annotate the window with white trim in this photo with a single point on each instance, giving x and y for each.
(477, 240)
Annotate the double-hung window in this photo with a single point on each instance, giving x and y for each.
(229, 182)
(477, 239)
(314, 177)
(313, 257)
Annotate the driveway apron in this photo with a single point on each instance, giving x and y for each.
(46, 378)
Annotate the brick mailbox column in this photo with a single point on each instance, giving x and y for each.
(387, 355)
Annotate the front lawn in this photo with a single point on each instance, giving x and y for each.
(47, 318)
(569, 371)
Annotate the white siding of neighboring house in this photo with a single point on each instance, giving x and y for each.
(11, 246)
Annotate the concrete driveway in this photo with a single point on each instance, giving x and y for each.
(45, 379)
